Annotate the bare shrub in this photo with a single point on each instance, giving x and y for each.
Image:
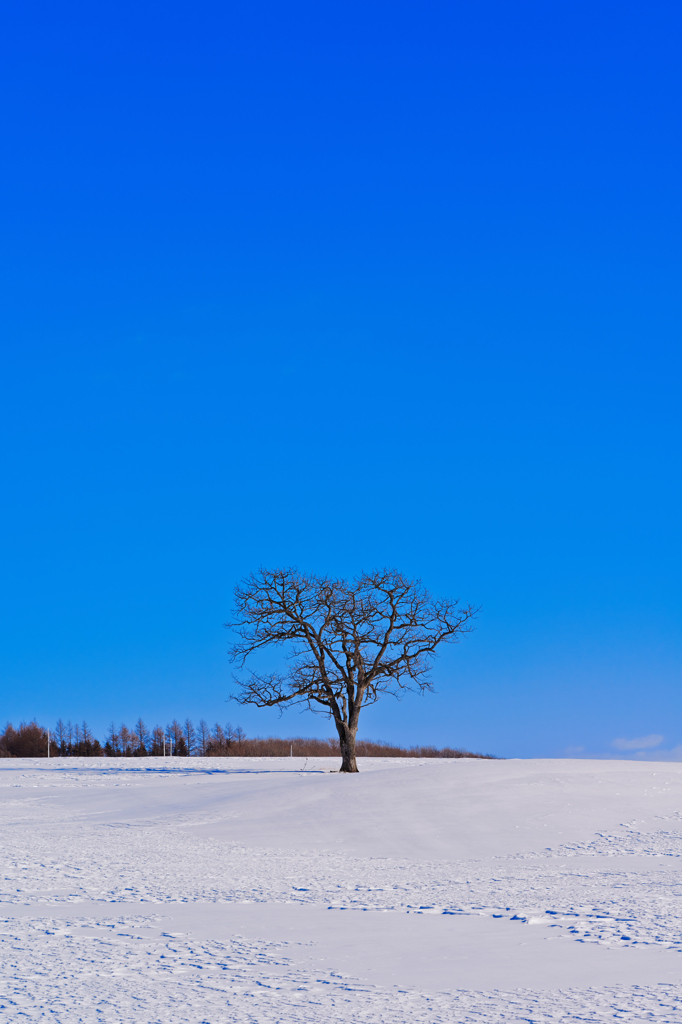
(276, 746)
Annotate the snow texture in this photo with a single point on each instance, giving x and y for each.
(271, 890)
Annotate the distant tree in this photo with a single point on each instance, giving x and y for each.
(141, 738)
(60, 737)
(217, 744)
(203, 736)
(127, 739)
(177, 739)
(348, 642)
(87, 744)
(156, 749)
(189, 735)
(112, 745)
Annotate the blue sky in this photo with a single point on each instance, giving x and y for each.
(344, 286)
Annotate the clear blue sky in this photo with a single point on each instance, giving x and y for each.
(344, 285)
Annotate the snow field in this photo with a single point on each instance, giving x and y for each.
(277, 890)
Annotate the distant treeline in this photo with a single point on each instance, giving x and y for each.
(186, 740)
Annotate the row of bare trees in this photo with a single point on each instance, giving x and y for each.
(176, 739)
(74, 740)
(67, 740)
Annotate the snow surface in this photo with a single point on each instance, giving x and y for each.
(272, 890)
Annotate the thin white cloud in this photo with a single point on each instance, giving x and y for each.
(665, 755)
(640, 743)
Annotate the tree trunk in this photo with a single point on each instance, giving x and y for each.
(347, 745)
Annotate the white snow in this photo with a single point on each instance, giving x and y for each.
(268, 890)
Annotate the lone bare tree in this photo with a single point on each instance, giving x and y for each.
(347, 642)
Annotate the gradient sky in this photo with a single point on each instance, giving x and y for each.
(344, 285)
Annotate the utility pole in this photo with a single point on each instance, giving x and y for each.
(48, 742)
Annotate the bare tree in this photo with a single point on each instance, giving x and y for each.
(347, 642)
(203, 736)
(113, 741)
(177, 739)
(190, 735)
(219, 741)
(60, 736)
(141, 736)
(157, 741)
(127, 738)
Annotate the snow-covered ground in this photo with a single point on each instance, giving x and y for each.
(277, 890)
